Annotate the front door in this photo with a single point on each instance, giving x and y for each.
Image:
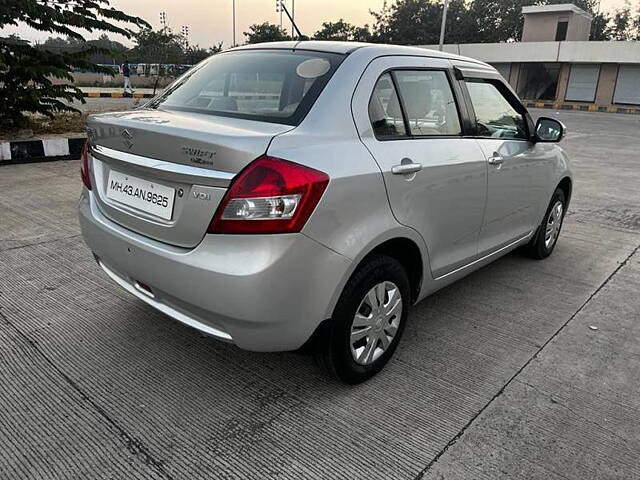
(435, 179)
(514, 166)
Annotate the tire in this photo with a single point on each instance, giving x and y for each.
(540, 247)
(335, 351)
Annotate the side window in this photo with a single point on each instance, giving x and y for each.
(384, 110)
(429, 102)
(495, 116)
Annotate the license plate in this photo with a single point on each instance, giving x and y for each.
(140, 194)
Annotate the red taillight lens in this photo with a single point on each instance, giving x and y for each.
(84, 168)
(270, 195)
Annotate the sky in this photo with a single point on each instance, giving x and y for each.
(210, 21)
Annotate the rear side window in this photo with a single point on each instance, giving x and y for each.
(496, 117)
(429, 102)
(413, 103)
(384, 110)
(278, 86)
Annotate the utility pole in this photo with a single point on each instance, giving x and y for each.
(293, 17)
(444, 22)
(234, 23)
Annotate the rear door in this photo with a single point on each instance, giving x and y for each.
(408, 117)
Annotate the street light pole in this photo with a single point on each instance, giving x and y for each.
(444, 22)
(163, 20)
(293, 16)
(234, 23)
(281, 7)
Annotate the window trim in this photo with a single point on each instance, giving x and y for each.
(508, 96)
(409, 136)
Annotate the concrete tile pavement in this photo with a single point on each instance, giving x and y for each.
(472, 377)
(573, 412)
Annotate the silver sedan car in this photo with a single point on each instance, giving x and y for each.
(307, 194)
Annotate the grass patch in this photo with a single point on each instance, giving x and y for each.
(62, 122)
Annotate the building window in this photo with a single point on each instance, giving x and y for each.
(627, 91)
(561, 31)
(583, 81)
(538, 81)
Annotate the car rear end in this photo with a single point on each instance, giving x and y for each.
(183, 207)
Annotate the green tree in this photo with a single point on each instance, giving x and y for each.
(115, 50)
(157, 46)
(343, 31)
(417, 22)
(623, 26)
(195, 54)
(495, 20)
(599, 27)
(110, 51)
(26, 71)
(265, 32)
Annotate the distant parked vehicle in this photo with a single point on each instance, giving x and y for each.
(309, 193)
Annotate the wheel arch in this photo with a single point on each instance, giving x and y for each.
(407, 252)
(566, 185)
(398, 245)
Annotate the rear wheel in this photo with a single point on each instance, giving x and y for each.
(367, 323)
(543, 243)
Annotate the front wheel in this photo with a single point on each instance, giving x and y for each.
(543, 243)
(367, 323)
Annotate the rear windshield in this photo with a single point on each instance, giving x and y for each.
(278, 86)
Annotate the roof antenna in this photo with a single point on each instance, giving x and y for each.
(281, 7)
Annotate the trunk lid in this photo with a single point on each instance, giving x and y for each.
(184, 160)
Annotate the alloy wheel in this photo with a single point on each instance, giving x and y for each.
(554, 222)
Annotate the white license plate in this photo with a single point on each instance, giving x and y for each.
(141, 194)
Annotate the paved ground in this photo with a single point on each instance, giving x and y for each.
(100, 105)
(498, 376)
(116, 89)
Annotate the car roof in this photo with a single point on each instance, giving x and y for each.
(345, 48)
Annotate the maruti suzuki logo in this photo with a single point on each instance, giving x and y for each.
(127, 138)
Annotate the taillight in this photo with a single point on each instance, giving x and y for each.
(84, 168)
(270, 195)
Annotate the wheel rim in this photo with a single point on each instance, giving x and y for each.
(554, 222)
(375, 323)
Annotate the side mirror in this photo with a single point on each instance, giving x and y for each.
(549, 130)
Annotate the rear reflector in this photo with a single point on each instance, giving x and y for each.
(84, 167)
(270, 195)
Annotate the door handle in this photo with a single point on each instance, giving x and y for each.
(407, 166)
(495, 159)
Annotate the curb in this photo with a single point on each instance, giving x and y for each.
(583, 108)
(28, 151)
(116, 95)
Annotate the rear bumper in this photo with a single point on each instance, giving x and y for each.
(261, 292)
